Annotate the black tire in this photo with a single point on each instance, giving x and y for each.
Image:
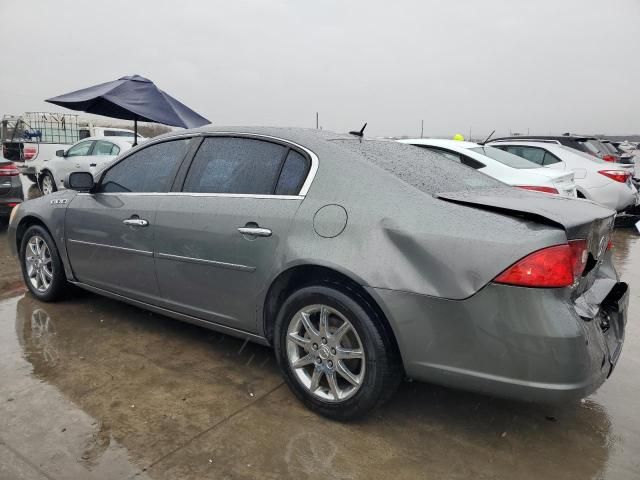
(58, 280)
(48, 175)
(383, 369)
(32, 178)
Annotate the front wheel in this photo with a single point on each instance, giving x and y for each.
(47, 184)
(42, 268)
(334, 353)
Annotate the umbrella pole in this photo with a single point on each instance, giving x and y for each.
(135, 131)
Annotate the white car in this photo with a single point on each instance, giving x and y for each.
(87, 155)
(606, 183)
(507, 168)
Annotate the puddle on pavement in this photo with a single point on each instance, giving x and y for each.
(93, 388)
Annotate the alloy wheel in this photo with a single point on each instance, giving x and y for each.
(325, 353)
(47, 185)
(39, 264)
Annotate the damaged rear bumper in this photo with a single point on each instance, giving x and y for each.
(530, 344)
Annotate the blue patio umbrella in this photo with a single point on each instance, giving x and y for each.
(131, 98)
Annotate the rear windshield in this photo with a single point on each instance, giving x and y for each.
(506, 158)
(583, 154)
(117, 133)
(425, 170)
(609, 148)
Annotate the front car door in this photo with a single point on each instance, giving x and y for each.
(110, 232)
(217, 238)
(73, 160)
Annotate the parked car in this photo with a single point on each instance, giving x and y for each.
(87, 155)
(597, 180)
(32, 138)
(507, 168)
(11, 193)
(625, 158)
(586, 144)
(359, 261)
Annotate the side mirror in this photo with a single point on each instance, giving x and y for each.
(59, 153)
(79, 181)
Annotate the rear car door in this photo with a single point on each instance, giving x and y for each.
(218, 237)
(103, 151)
(110, 232)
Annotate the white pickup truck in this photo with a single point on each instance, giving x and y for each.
(34, 137)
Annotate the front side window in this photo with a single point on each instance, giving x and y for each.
(79, 149)
(150, 170)
(105, 148)
(235, 165)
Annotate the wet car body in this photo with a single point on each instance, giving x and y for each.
(420, 239)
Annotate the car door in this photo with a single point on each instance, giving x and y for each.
(217, 239)
(109, 232)
(103, 151)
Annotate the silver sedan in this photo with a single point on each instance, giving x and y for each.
(361, 262)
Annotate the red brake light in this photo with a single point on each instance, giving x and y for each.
(617, 175)
(609, 158)
(29, 152)
(551, 267)
(609, 245)
(539, 189)
(9, 170)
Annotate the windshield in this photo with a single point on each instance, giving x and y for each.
(506, 158)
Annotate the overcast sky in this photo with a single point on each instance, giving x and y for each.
(543, 65)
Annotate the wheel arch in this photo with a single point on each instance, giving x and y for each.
(303, 275)
(24, 225)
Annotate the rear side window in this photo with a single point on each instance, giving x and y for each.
(235, 165)
(105, 148)
(550, 159)
(589, 147)
(150, 170)
(293, 174)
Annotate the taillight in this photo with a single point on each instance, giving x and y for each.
(609, 245)
(609, 158)
(551, 267)
(29, 152)
(9, 170)
(617, 175)
(539, 189)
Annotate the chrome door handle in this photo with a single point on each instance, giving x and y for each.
(255, 231)
(136, 222)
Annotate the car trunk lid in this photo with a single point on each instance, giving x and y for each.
(581, 219)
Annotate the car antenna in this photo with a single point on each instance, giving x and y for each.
(487, 139)
(360, 133)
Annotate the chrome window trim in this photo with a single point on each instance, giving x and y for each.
(194, 194)
(145, 253)
(306, 185)
(214, 263)
(314, 158)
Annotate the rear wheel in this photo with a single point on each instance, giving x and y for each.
(47, 184)
(42, 268)
(334, 354)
